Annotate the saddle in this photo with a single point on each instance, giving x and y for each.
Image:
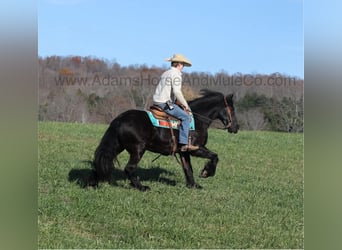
(159, 118)
(159, 113)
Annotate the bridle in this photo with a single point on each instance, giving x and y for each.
(229, 112)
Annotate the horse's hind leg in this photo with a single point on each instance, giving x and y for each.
(135, 155)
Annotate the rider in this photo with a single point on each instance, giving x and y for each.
(167, 91)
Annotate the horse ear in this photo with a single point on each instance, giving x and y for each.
(230, 96)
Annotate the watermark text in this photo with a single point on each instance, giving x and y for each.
(201, 81)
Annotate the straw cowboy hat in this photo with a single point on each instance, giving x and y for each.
(179, 58)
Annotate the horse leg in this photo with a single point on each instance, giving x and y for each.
(210, 167)
(187, 168)
(131, 168)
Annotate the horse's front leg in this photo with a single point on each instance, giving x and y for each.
(210, 167)
(187, 168)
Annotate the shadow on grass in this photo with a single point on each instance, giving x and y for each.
(84, 177)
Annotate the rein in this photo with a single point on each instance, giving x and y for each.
(208, 120)
(229, 112)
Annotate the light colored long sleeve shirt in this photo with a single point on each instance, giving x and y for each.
(170, 84)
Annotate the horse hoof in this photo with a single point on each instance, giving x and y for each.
(145, 188)
(194, 186)
(204, 174)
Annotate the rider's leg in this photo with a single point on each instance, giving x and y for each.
(184, 127)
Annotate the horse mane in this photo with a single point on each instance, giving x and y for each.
(206, 96)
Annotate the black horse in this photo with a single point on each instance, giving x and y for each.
(133, 131)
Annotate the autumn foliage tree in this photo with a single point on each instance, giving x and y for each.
(89, 89)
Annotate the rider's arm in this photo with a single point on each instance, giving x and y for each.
(177, 91)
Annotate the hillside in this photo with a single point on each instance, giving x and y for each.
(93, 90)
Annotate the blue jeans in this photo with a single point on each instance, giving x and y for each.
(179, 113)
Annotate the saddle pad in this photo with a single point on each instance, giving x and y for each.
(161, 123)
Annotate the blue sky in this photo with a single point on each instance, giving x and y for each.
(246, 36)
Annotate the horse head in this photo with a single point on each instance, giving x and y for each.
(227, 115)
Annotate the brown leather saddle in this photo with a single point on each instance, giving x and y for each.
(160, 114)
(166, 120)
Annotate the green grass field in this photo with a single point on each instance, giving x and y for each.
(255, 200)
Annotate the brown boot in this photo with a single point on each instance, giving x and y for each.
(190, 147)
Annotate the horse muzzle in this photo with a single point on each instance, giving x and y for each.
(232, 129)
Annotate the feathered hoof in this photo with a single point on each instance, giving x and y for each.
(205, 173)
(145, 188)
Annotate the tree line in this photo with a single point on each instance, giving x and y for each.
(94, 90)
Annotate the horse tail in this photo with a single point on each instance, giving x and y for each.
(106, 153)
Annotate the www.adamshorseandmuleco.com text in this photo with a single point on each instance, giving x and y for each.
(203, 80)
